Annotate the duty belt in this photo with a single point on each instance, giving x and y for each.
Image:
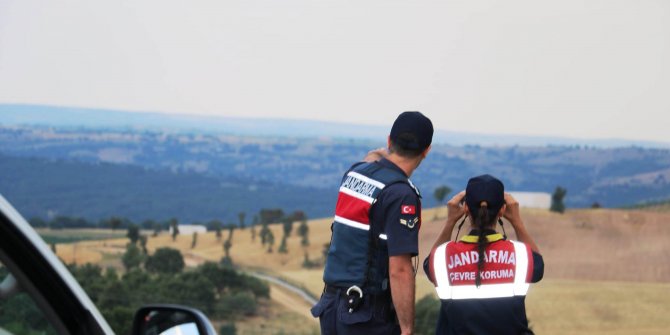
(354, 299)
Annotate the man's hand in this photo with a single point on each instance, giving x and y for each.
(376, 154)
(401, 273)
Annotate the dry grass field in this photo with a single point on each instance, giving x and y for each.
(607, 271)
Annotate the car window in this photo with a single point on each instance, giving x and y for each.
(19, 314)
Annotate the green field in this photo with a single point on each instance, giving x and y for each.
(57, 236)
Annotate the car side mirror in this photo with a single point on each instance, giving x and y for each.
(171, 320)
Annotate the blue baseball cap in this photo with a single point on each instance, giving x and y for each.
(485, 188)
(415, 124)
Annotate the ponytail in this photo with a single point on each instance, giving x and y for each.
(481, 221)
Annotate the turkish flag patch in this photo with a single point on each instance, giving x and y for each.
(407, 209)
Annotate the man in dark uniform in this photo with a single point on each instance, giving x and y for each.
(369, 274)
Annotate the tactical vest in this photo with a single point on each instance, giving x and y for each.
(507, 271)
(352, 245)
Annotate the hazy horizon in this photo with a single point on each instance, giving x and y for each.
(72, 117)
(594, 70)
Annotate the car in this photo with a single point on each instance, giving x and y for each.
(33, 277)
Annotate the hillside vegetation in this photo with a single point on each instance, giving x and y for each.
(658, 206)
(607, 271)
(43, 188)
(98, 173)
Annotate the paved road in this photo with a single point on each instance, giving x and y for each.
(300, 292)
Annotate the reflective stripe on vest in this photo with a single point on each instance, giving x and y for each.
(446, 291)
(357, 194)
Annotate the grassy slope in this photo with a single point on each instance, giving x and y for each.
(655, 207)
(76, 235)
(607, 271)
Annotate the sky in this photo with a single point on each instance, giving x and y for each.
(570, 68)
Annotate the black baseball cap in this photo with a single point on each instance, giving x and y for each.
(415, 124)
(485, 188)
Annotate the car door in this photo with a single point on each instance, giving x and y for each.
(35, 280)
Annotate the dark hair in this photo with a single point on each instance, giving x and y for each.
(482, 220)
(398, 149)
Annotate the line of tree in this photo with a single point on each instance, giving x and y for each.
(557, 200)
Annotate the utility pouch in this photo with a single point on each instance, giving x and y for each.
(361, 313)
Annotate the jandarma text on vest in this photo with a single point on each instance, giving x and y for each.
(359, 186)
(490, 256)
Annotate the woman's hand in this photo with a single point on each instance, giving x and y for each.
(455, 206)
(456, 211)
(512, 212)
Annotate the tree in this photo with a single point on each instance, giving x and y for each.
(298, 216)
(231, 229)
(241, 216)
(271, 215)
(157, 229)
(228, 329)
(174, 226)
(165, 260)
(287, 224)
(148, 224)
(133, 233)
(265, 232)
(37, 222)
(226, 250)
(325, 250)
(270, 240)
(133, 257)
(216, 226)
(303, 231)
(557, 204)
(236, 303)
(114, 222)
(194, 241)
(441, 193)
(254, 222)
(427, 312)
(307, 263)
(283, 248)
(143, 244)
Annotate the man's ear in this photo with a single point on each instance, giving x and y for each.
(425, 152)
(388, 142)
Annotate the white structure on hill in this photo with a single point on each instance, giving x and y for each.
(189, 229)
(532, 199)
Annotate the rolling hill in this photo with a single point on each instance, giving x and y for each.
(606, 271)
(46, 188)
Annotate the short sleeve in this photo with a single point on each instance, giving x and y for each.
(538, 268)
(402, 210)
(428, 269)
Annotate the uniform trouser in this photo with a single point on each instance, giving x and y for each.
(373, 316)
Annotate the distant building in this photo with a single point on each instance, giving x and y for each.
(189, 229)
(531, 199)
